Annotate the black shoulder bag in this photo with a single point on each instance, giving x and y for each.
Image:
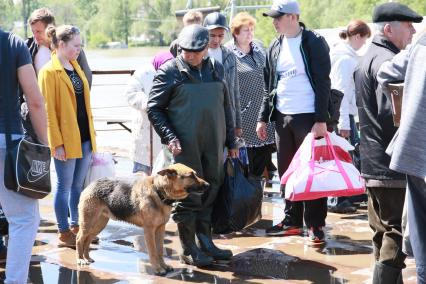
(27, 162)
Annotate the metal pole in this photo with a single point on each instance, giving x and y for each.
(189, 4)
(232, 10)
(151, 148)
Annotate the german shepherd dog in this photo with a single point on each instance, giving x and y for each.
(145, 202)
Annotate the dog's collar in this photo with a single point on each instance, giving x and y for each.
(163, 197)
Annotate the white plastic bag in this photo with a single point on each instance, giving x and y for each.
(102, 165)
(163, 160)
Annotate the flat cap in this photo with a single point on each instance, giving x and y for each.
(193, 38)
(393, 11)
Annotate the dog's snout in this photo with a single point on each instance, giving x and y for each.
(198, 189)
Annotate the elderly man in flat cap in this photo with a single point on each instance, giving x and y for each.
(408, 151)
(189, 108)
(385, 187)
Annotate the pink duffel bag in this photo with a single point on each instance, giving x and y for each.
(320, 168)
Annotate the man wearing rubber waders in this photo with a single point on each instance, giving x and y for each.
(189, 108)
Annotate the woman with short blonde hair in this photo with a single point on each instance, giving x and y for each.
(240, 20)
(250, 62)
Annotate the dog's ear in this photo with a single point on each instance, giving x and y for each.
(168, 172)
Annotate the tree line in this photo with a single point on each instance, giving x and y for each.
(153, 22)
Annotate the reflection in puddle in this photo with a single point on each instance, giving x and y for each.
(47, 273)
(343, 245)
(39, 243)
(194, 276)
(356, 217)
(123, 243)
(45, 223)
(47, 227)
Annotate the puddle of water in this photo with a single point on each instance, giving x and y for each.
(343, 245)
(45, 223)
(47, 273)
(39, 243)
(356, 216)
(123, 243)
(194, 276)
(314, 272)
(47, 227)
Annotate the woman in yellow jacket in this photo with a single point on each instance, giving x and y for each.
(70, 125)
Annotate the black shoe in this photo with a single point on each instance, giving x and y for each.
(343, 207)
(316, 235)
(191, 254)
(205, 242)
(284, 229)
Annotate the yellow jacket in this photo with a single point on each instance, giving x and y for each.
(61, 107)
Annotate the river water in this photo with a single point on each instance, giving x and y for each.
(107, 94)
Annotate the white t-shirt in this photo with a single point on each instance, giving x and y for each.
(216, 53)
(41, 58)
(294, 91)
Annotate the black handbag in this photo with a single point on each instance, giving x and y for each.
(334, 103)
(239, 201)
(27, 168)
(27, 162)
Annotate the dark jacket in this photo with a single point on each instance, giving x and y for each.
(375, 112)
(229, 62)
(81, 59)
(315, 53)
(167, 80)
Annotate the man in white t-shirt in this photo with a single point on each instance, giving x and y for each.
(296, 98)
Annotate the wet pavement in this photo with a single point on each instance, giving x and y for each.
(121, 256)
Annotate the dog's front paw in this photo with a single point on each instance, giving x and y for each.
(168, 268)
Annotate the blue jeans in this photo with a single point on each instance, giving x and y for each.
(71, 174)
(2, 246)
(354, 136)
(416, 200)
(23, 216)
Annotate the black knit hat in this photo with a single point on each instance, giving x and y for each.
(393, 11)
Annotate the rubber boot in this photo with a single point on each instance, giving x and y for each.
(385, 274)
(205, 242)
(191, 254)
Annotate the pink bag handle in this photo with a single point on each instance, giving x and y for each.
(338, 164)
